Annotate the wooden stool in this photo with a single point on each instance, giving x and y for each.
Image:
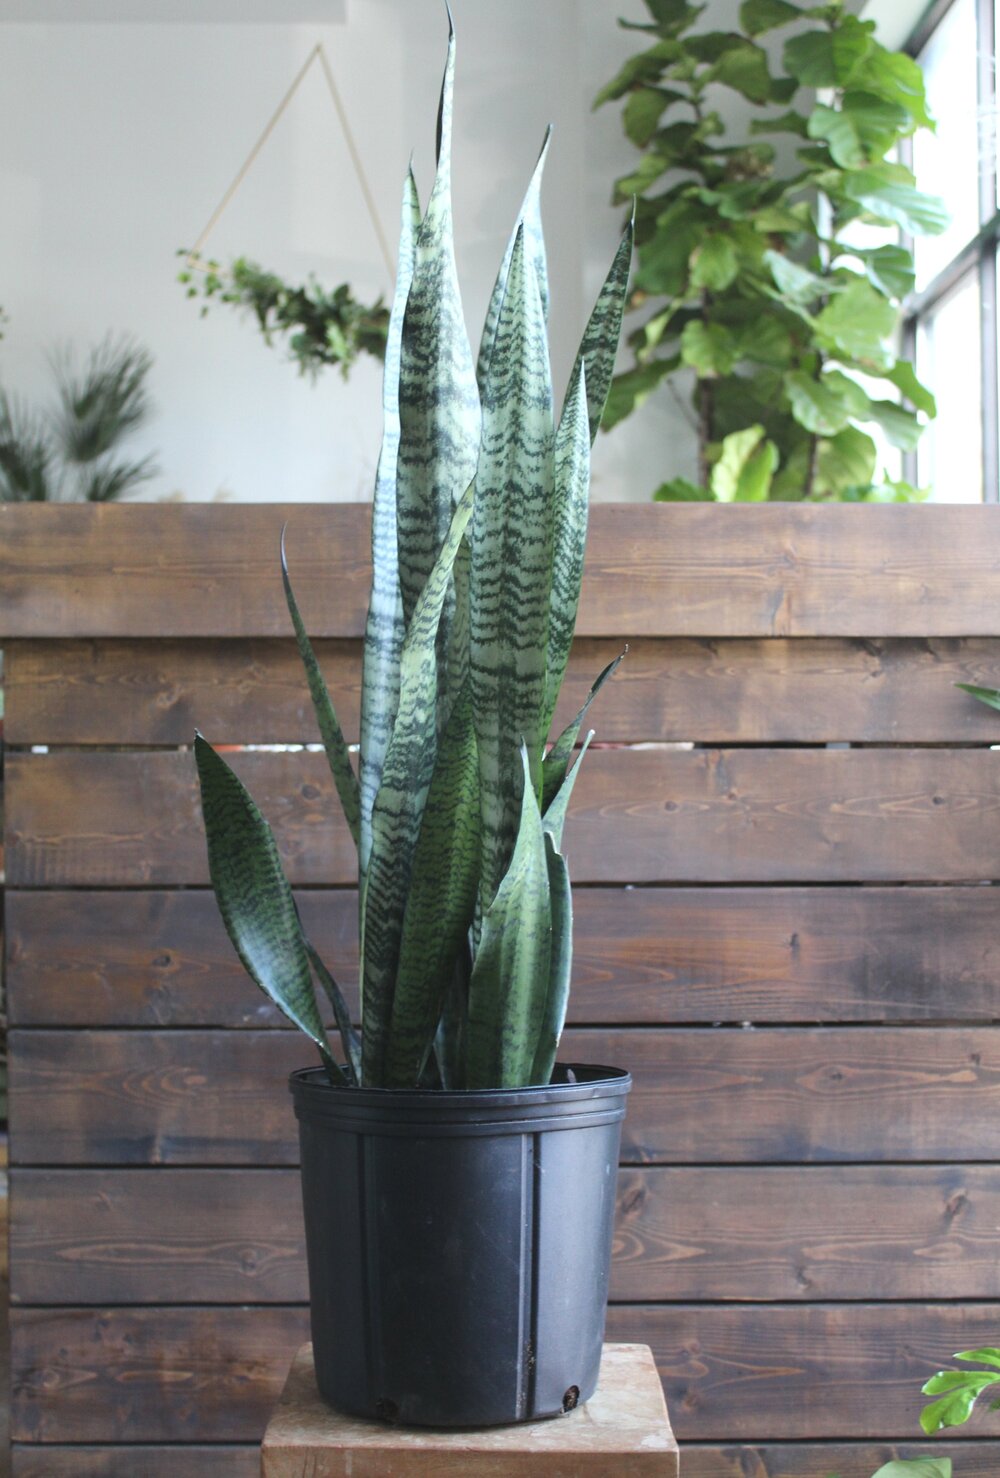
(623, 1431)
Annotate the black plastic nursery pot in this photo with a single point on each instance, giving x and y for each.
(459, 1244)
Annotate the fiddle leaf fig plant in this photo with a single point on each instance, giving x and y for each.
(754, 278)
(458, 804)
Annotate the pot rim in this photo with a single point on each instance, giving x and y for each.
(593, 1080)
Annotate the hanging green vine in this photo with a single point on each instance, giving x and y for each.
(319, 328)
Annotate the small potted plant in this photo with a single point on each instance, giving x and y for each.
(458, 1182)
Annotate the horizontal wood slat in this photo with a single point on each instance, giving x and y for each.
(652, 570)
(141, 1462)
(801, 690)
(973, 1458)
(783, 1095)
(713, 815)
(762, 1372)
(814, 1232)
(743, 1373)
(641, 955)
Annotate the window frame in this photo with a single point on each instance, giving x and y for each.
(978, 254)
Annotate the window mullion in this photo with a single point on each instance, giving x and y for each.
(989, 370)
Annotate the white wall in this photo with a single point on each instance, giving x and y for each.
(118, 140)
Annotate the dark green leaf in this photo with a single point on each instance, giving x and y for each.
(554, 816)
(556, 762)
(254, 897)
(845, 460)
(887, 192)
(350, 1041)
(714, 264)
(899, 79)
(648, 65)
(441, 900)
(991, 697)
(829, 58)
(599, 345)
(957, 1392)
(511, 569)
(902, 428)
(904, 377)
(794, 281)
(643, 110)
(631, 389)
(861, 128)
(510, 977)
(825, 406)
(857, 322)
(709, 348)
(890, 269)
(384, 629)
(744, 68)
(399, 805)
(758, 16)
(337, 754)
(560, 965)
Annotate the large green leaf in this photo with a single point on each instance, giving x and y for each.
(890, 269)
(530, 221)
(254, 897)
(510, 575)
(643, 110)
(856, 322)
(556, 762)
(887, 192)
(793, 280)
(399, 805)
(599, 345)
(337, 753)
(826, 405)
(861, 128)
(510, 977)
(902, 428)
(829, 58)
(714, 264)
(957, 1392)
(904, 377)
(745, 467)
(844, 461)
(647, 65)
(438, 399)
(920, 1467)
(553, 1014)
(384, 629)
(441, 900)
(758, 16)
(744, 68)
(710, 349)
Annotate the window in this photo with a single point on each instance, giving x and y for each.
(950, 328)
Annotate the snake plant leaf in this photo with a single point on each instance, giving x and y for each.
(438, 400)
(599, 345)
(349, 1039)
(337, 754)
(560, 968)
(989, 696)
(570, 507)
(255, 899)
(441, 900)
(530, 216)
(384, 629)
(449, 1040)
(509, 984)
(399, 805)
(556, 762)
(554, 815)
(511, 563)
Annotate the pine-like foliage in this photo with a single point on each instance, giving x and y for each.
(478, 531)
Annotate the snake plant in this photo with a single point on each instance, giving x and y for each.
(478, 531)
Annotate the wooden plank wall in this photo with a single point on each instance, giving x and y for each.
(793, 946)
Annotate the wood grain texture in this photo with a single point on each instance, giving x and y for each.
(149, 1375)
(766, 1372)
(804, 690)
(651, 956)
(712, 815)
(972, 1458)
(744, 1373)
(189, 1461)
(777, 569)
(780, 1095)
(683, 1233)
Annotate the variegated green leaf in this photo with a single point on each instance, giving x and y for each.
(384, 629)
(599, 345)
(570, 505)
(441, 899)
(438, 400)
(337, 754)
(554, 815)
(349, 1039)
(530, 216)
(556, 762)
(509, 984)
(254, 897)
(399, 804)
(511, 563)
(560, 969)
